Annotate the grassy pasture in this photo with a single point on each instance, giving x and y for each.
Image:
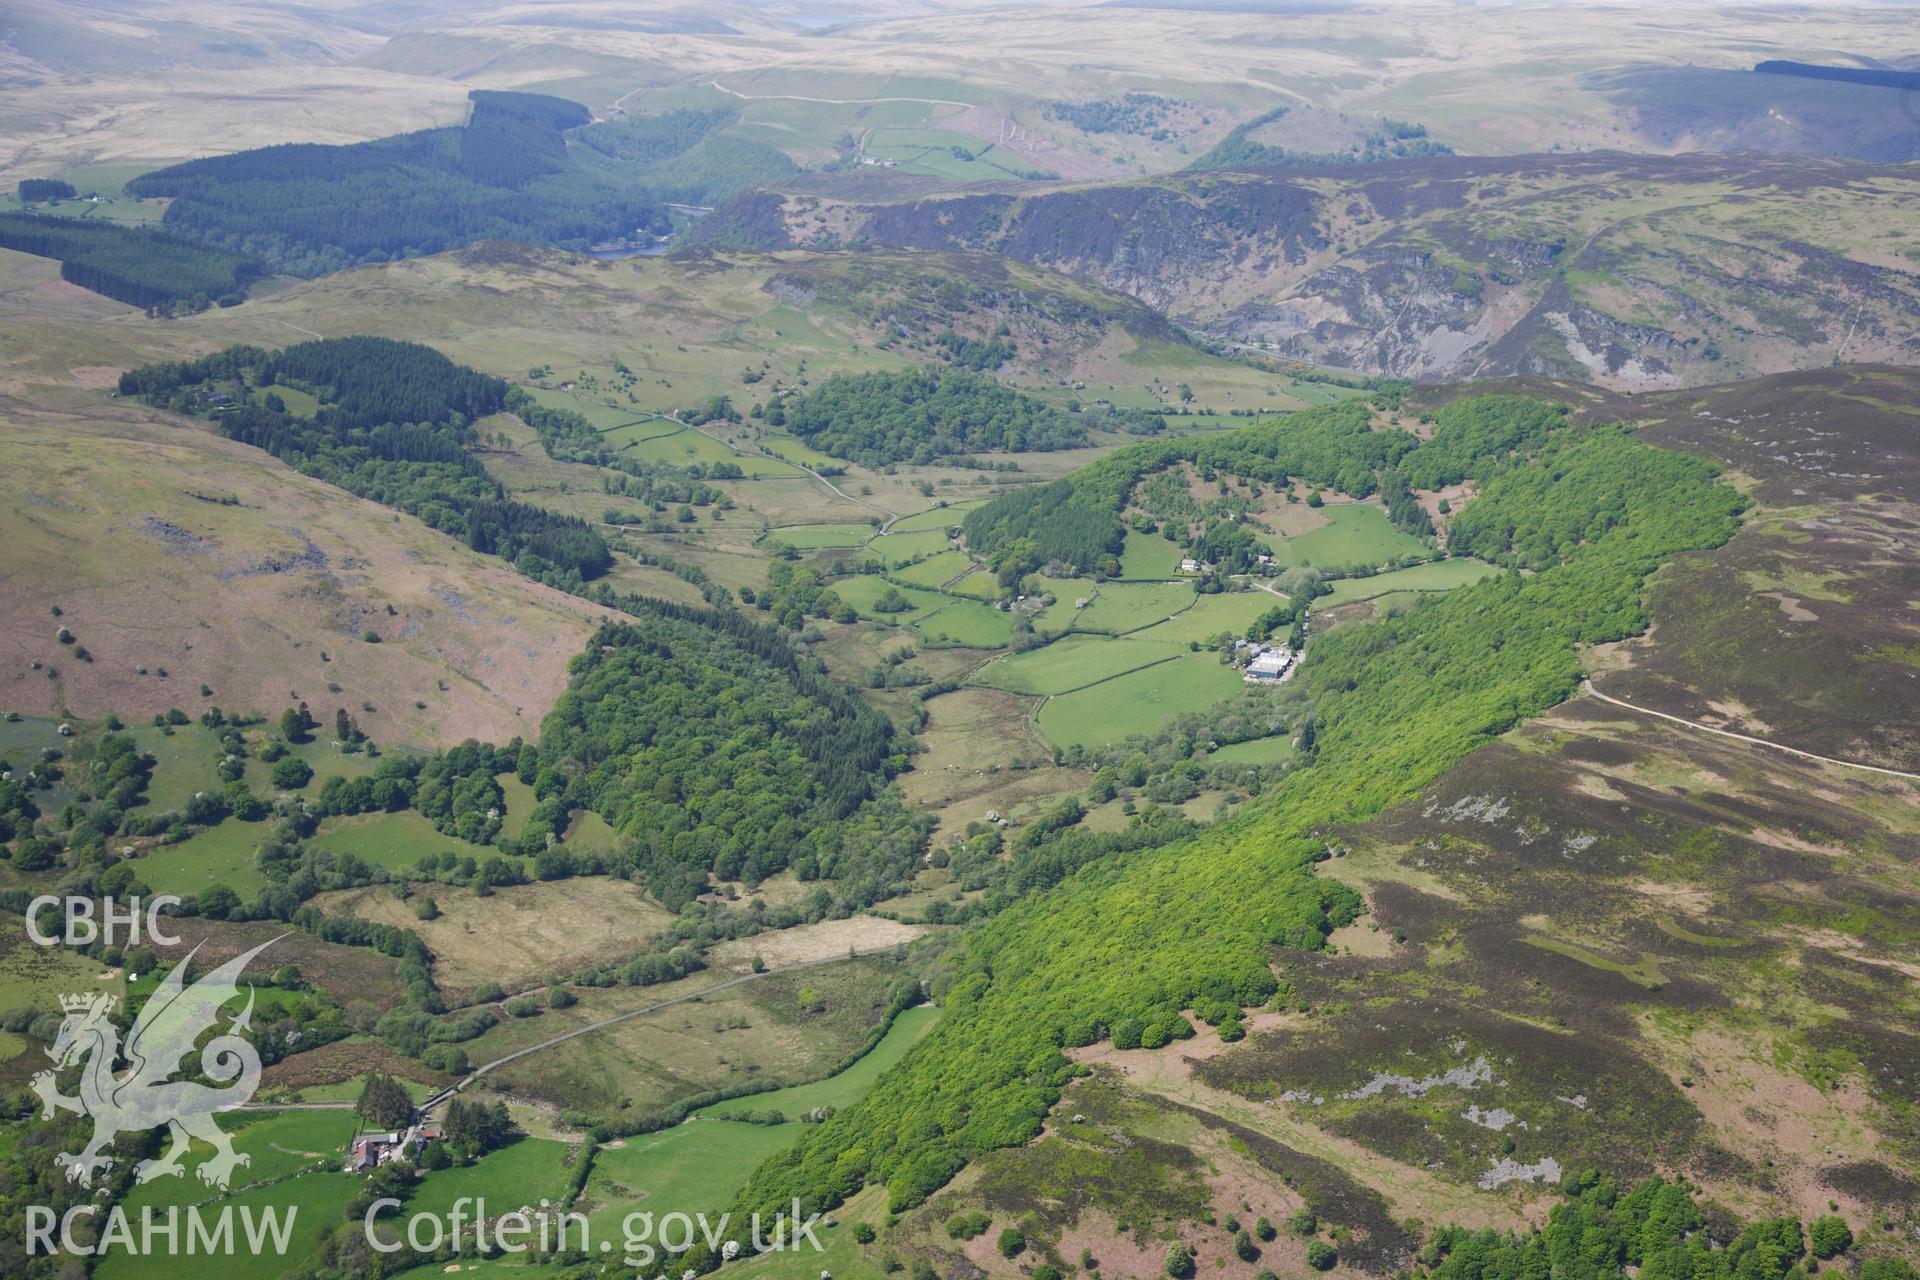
(935, 571)
(968, 623)
(1148, 556)
(1121, 607)
(980, 584)
(1072, 663)
(1354, 533)
(1440, 575)
(862, 590)
(686, 1169)
(524, 1172)
(895, 549)
(603, 417)
(1275, 750)
(984, 752)
(946, 517)
(293, 1162)
(520, 803)
(223, 854)
(589, 830)
(301, 403)
(793, 449)
(183, 763)
(393, 840)
(629, 434)
(1138, 701)
(1210, 615)
(686, 447)
(218, 855)
(701, 1165)
(814, 537)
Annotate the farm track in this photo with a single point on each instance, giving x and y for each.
(1586, 686)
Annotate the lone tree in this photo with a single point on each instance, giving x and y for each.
(384, 1103)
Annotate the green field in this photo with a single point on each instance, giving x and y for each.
(1231, 611)
(218, 855)
(300, 403)
(813, 537)
(689, 1168)
(686, 447)
(935, 571)
(701, 1164)
(968, 623)
(981, 584)
(183, 763)
(1072, 663)
(1440, 575)
(32, 975)
(862, 590)
(1138, 702)
(293, 1157)
(946, 517)
(393, 840)
(588, 830)
(904, 548)
(1058, 617)
(520, 803)
(1120, 607)
(933, 151)
(1149, 556)
(1354, 534)
(629, 434)
(794, 449)
(525, 1172)
(1275, 750)
(603, 417)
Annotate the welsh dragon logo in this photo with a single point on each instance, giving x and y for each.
(145, 1095)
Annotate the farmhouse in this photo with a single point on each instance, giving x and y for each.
(1269, 666)
(371, 1149)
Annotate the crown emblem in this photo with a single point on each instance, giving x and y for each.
(84, 1000)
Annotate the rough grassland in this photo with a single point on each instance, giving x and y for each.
(169, 548)
(519, 936)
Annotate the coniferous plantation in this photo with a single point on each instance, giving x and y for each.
(524, 166)
(137, 266)
(394, 423)
(505, 174)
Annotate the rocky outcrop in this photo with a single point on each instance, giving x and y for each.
(1437, 268)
